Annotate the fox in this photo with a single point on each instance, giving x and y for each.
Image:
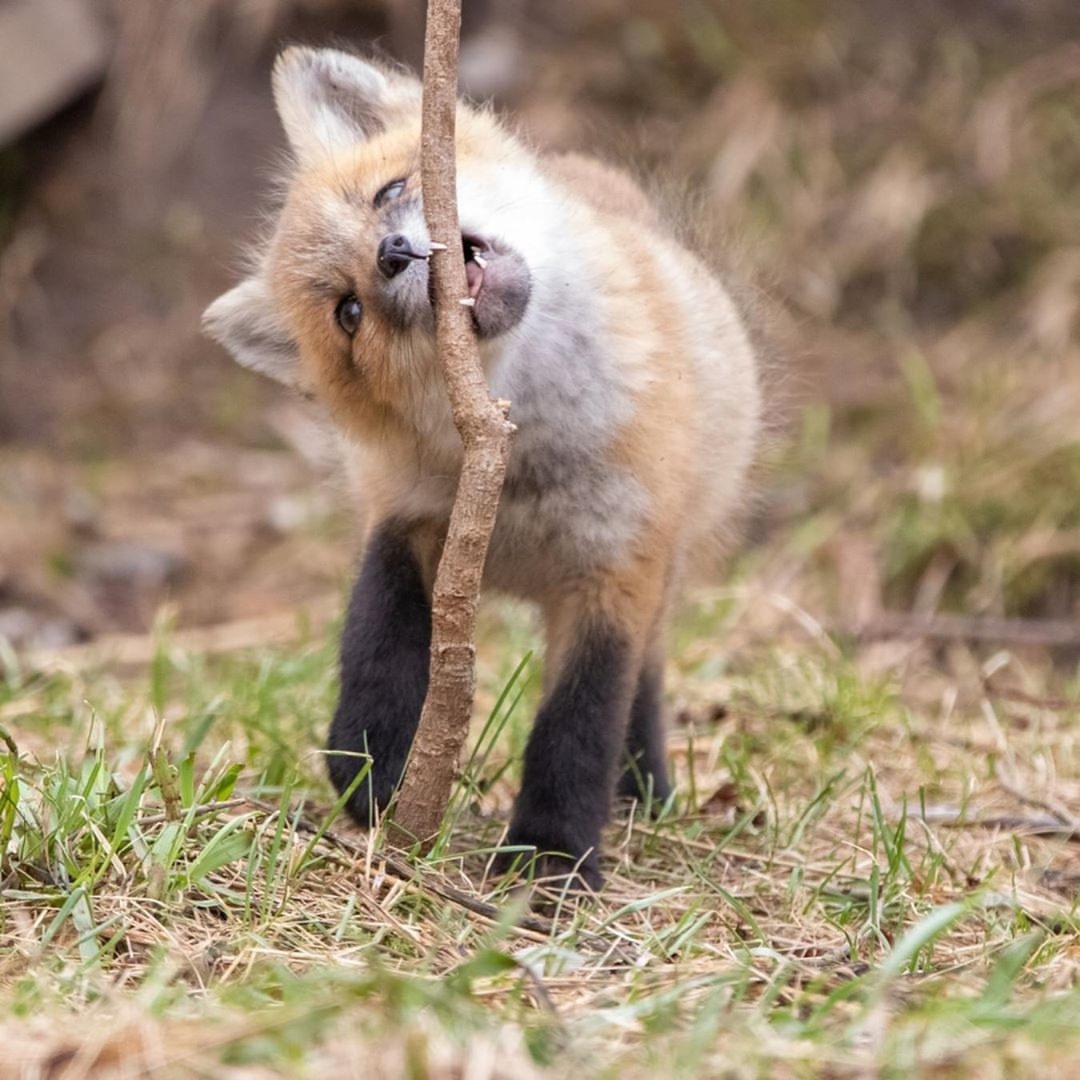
(635, 390)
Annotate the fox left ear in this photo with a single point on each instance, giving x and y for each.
(243, 320)
(329, 100)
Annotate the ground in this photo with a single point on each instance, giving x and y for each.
(870, 864)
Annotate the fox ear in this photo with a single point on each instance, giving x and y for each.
(243, 320)
(329, 100)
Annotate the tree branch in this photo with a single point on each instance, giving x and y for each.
(486, 433)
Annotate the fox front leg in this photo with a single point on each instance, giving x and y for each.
(596, 645)
(384, 671)
(571, 758)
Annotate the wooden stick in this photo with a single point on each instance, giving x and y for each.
(486, 433)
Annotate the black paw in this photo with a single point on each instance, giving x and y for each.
(552, 865)
(384, 673)
(650, 791)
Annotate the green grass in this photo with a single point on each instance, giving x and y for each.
(180, 892)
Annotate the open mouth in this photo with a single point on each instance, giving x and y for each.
(498, 282)
(476, 251)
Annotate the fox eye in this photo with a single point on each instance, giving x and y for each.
(388, 192)
(349, 312)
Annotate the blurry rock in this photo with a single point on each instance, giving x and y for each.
(23, 628)
(119, 562)
(51, 51)
(126, 582)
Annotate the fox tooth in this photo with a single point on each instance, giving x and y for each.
(436, 246)
(469, 301)
(479, 260)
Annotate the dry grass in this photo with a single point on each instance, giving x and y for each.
(862, 871)
(871, 864)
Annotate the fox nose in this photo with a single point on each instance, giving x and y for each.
(395, 253)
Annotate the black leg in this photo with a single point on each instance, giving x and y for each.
(572, 757)
(384, 671)
(646, 773)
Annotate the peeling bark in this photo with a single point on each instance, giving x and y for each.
(486, 434)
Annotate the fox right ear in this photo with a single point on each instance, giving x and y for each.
(329, 100)
(244, 321)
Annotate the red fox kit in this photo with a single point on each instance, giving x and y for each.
(633, 387)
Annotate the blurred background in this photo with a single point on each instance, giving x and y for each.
(903, 181)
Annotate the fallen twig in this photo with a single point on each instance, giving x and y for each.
(196, 812)
(1059, 813)
(1039, 633)
(950, 817)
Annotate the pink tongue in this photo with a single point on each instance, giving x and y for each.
(475, 277)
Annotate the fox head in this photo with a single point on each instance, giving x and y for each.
(339, 299)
